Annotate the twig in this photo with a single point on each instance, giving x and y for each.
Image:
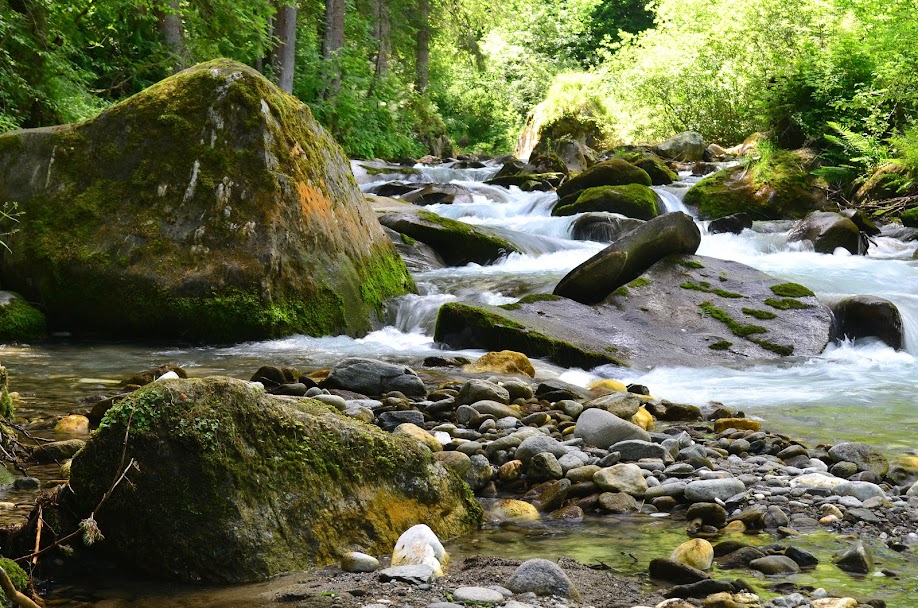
(37, 535)
(18, 599)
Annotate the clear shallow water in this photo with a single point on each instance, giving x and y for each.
(863, 391)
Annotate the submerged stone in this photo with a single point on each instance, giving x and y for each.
(210, 206)
(237, 485)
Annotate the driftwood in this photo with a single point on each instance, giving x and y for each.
(18, 599)
(890, 206)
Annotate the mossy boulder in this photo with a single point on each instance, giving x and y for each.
(909, 218)
(237, 485)
(686, 146)
(828, 231)
(777, 187)
(210, 206)
(614, 172)
(890, 180)
(19, 321)
(456, 242)
(632, 200)
(660, 174)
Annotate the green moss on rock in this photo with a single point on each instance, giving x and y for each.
(787, 304)
(17, 575)
(236, 485)
(631, 200)
(210, 206)
(20, 322)
(705, 287)
(909, 218)
(720, 345)
(660, 174)
(791, 290)
(759, 314)
(739, 329)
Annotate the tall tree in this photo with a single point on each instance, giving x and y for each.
(172, 33)
(382, 31)
(283, 57)
(332, 43)
(422, 50)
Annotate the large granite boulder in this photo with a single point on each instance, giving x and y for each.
(210, 206)
(628, 257)
(684, 311)
(237, 485)
(828, 231)
(869, 316)
(456, 242)
(780, 187)
(602, 227)
(686, 146)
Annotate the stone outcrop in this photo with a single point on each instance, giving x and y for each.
(210, 206)
(869, 316)
(828, 231)
(237, 485)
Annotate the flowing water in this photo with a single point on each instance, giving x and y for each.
(853, 391)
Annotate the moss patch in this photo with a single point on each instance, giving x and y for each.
(791, 290)
(690, 264)
(739, 329)
(721, 345)
(785, 350)
(705, 287)
(17, 575)
(631, 200)
(759, 314)
(787, 304)
(530, 299)
(20, 322)
(639, 282)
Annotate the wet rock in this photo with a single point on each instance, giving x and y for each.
(828, 231)
(804, 559)
(602, 429)
(342, 491)
(740, 558)
(632, 201)
(614, 172)
(412, 575)
(537, 444)
(618, 502)
(672, 571)
(517, 511)
(866, 457)
(544, 466)
(372, 377)
(389, 421)
(711, 514)
(504, 362)
(622, 404)
(733, 224)
(702, 589)
(621, 478)
(481, 390)
(861, 220)
(550, 495)
(480, 473)
(631, 255)
(73, 423)
(862, 490)
(542, 577)
(707, 490)
(56, 451)
(869, 316)
(416, 433)
(857, 559)
(602, 227)
(774, 564)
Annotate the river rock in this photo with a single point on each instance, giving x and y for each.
(19, 320)
(504, 362)
(614, 172)
(493, 408)
(828, 231)
(602, 227)
(865, 456)
(631, 255)
(672, 571)
(697, 553)
(635, 449)
(544, 466)
(869, 316)
(682, 312)
(626, 478)
(623, 404)
(57, 451)
(862, 490)
(709, 490)
(74, 423)
(329, 483)
(416, 433)
(687, 146)
(515, 511)
(359, 562)
(456, 242)
(419, 546)
(210, 206)
(774, 564)
(857, 559)
(631, 200)
(602, 429)
(476, 390)
(733, 224)
(542, 577)
(412, 575)
(418, 256)
(539, 443)
(618, 502)
(659, 172)
(372, 377)
(478, 596)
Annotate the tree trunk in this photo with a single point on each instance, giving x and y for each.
(283, 56)
(172, 33)
(382, 30)
(332, 42)
(422, 52)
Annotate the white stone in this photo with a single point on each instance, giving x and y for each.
(418, 545)
(816, 480)
(170, 375)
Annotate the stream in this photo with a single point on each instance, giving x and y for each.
(862, 391)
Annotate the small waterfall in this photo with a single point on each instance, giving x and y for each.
(671, 201)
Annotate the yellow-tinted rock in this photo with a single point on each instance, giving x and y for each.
(735, 527)
(515, 511)
(510, 471)
(721, 600)
(740, 424)
(609, 385)
(73, 424)
(643, 419)
(415, 432)
(697, 553)
(65, 468)
(504, 362)
(828, 519)
(835, 602)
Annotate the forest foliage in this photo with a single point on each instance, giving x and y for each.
(388, 77)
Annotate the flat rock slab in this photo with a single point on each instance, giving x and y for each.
(684, 311)
(413, 575)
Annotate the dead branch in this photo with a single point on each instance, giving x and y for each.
(17, 598)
